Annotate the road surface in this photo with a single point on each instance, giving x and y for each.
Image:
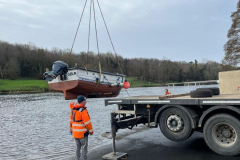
(152, 145)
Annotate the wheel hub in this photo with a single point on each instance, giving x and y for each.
(227, 133)
(224, 134)
(175, 123)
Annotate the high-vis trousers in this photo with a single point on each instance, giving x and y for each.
(81, 148)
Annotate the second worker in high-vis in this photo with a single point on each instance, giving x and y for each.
(80, 126)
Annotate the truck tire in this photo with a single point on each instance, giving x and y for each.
(175, 124)
(221, 133)
(215, 90)
(201, 93)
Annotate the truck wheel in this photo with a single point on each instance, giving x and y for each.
(175, 124)
(201, 93)
(215, 90)
(221, 133)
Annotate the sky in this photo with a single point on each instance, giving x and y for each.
(178, 30)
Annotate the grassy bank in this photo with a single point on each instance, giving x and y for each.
(23, 85)
(134, 82)
(28, 85)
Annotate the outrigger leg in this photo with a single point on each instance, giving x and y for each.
(114, 155)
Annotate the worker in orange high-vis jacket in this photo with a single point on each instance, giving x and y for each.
(80, 126)
(167, 92)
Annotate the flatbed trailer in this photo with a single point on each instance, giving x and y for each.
(178, 116)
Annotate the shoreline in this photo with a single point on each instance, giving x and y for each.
(44, 90)
(25, 92)
(50, 91)
(29, 86)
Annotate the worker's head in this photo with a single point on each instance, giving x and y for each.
(166, 90)
(81, 99)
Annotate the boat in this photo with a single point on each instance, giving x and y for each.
(82, 81)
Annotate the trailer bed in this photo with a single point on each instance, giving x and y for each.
(184, 99)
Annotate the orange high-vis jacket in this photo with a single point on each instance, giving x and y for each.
(167, 93)
(80, 123)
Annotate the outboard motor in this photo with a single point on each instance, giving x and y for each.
(58, 68)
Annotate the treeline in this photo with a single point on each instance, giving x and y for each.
(29, 61)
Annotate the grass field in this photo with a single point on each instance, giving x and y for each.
(7, 85)
(134, 82)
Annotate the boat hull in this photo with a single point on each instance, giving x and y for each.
(72, 89)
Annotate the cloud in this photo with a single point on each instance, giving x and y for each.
(35, 26)
(23, 13)
(130, 13)
(136, 26)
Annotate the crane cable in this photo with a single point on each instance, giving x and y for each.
(78, 27)
(119, 64)
(110, 38)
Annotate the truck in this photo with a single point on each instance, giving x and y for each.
(178, 116)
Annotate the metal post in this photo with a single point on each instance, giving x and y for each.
(114, 155)
(119, 114)
(148, 117)
(135, 110)
(173, 89)
(113, 132)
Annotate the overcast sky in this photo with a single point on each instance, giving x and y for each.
(179, 30)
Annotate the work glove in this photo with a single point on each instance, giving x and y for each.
(70, 132)
(91, 133)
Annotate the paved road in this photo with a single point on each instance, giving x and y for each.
(152, 145)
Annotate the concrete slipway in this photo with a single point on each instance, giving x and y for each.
(150, 144)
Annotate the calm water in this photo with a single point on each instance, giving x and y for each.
(36, 126)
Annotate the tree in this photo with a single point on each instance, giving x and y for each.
(2, 61)
(232, 46)
(29, 61)
(180, 76)
(12, 68)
